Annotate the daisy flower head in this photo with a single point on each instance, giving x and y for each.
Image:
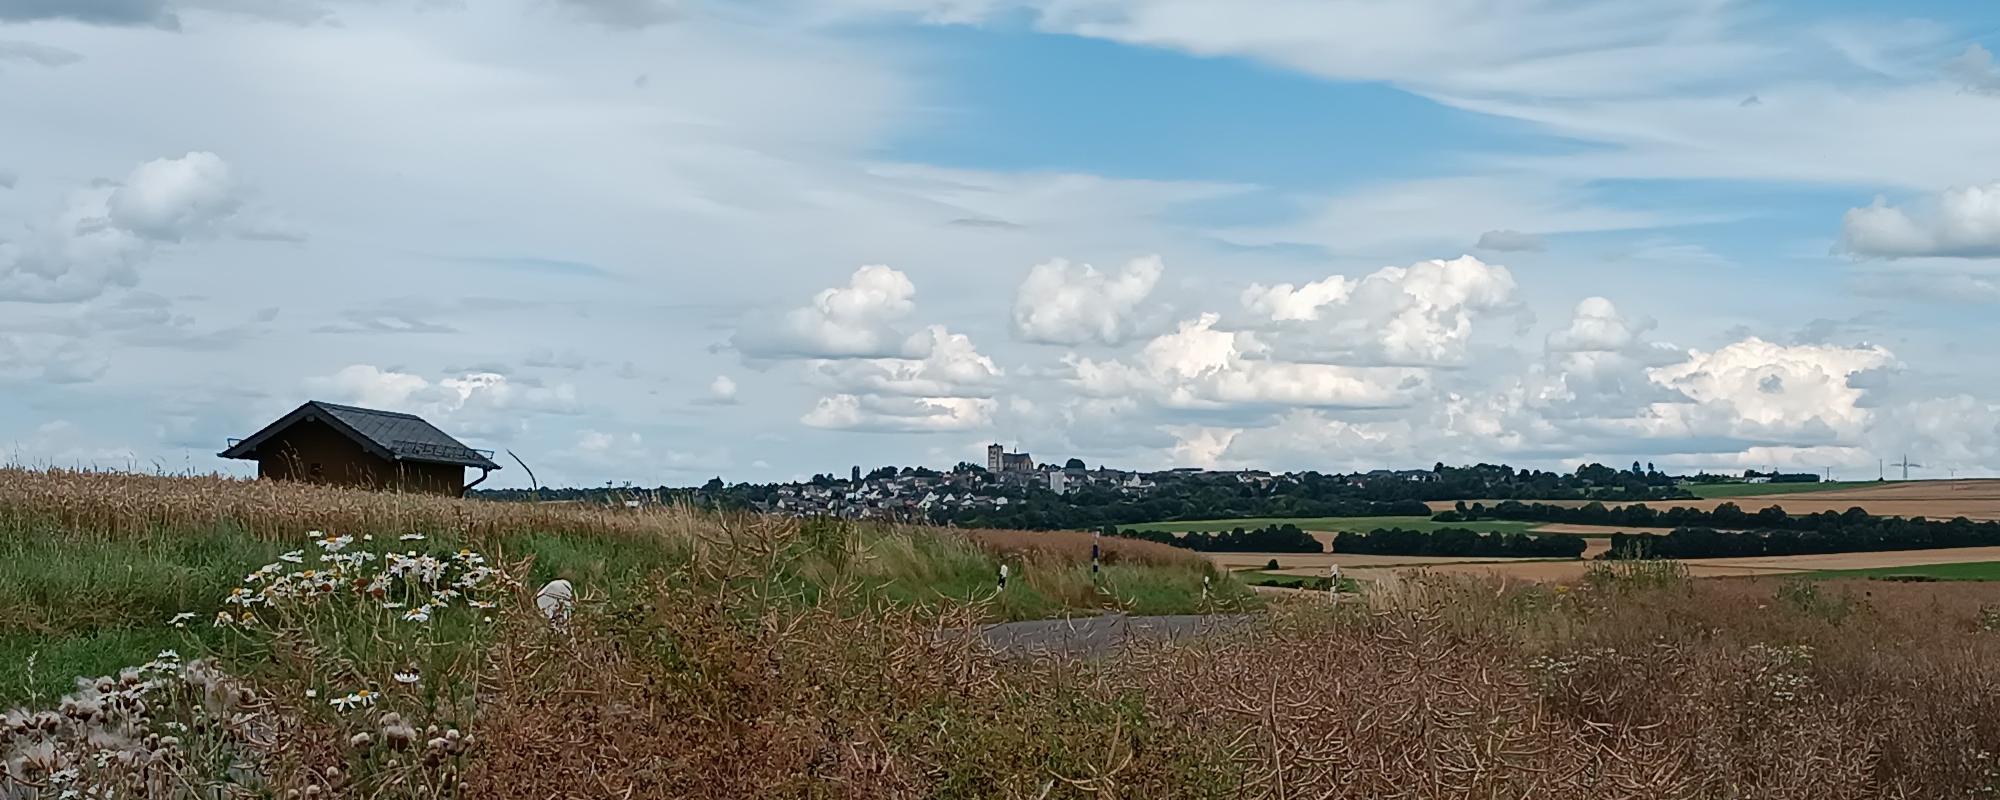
(408, 677)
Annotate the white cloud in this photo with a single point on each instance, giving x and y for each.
(105, 231)
(900, 414)
(852, 321)
(1962, 222)
(1199, 366)
(951, 367)
(478, 404)
(1064, 303)
(1597, 327)
(1759, 388)
(169, 199)
(722, 390)
(1420, 315)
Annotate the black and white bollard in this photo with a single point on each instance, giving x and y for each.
(1093, 554)
(1003, 577)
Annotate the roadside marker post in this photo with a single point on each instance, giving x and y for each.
(1003, 577)
(1094, 554)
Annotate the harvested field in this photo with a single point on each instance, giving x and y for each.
(1316, 563)
(1974, 499)
(1564, 571)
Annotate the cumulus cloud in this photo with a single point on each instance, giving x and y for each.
(622, 13)
(1200, 366)
(1420, 315)
(852, 321)
(951, 367)
(1507, 241)
(40, 54)
(1064, 303)
(1961, 222)
(105, 231)
(479, 404)
(1597, 327)
(722, 390)
(1755, 388)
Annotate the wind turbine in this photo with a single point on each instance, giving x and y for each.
(1906, 465)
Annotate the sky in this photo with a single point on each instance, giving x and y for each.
(655, 241)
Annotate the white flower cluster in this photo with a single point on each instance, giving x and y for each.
(393, 580)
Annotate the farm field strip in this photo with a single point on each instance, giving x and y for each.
(1723, 567)
(1976, 499)
(1967, 571)
(1330, 524)
(1724, 491)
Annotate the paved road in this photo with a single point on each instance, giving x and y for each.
(1096, 635)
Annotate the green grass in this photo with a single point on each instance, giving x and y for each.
(1356, 524)
(1722, 490)
(73, 604)
(1969, 571)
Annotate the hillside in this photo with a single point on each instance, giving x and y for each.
(392, 647)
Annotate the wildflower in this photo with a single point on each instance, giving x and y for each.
(312, 693)
(413, 537)
(294, 557)
(168, 655)
(360, 698)
(482, 604)
(223, 620)
(181, 620)
(407, 678)
(419, 614)
(392, 604)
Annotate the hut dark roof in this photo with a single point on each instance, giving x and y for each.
(389, 434)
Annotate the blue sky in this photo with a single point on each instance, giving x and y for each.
(659, 240)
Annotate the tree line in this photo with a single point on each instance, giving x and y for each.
(1286, 538)
(1875, 535)
(1459, 542)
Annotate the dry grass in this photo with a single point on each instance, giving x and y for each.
(730, 674)
(1074, 546)
(125, 505)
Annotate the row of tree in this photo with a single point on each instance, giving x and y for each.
(1286, 538)
(1724, 516)
(1877, 535)
(1459, 542)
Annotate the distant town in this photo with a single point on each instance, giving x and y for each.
(1010, 489)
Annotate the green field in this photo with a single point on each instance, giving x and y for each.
(1357, 524)
(1720, 490)
(1969, 571)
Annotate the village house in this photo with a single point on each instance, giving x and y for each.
(361, 447)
